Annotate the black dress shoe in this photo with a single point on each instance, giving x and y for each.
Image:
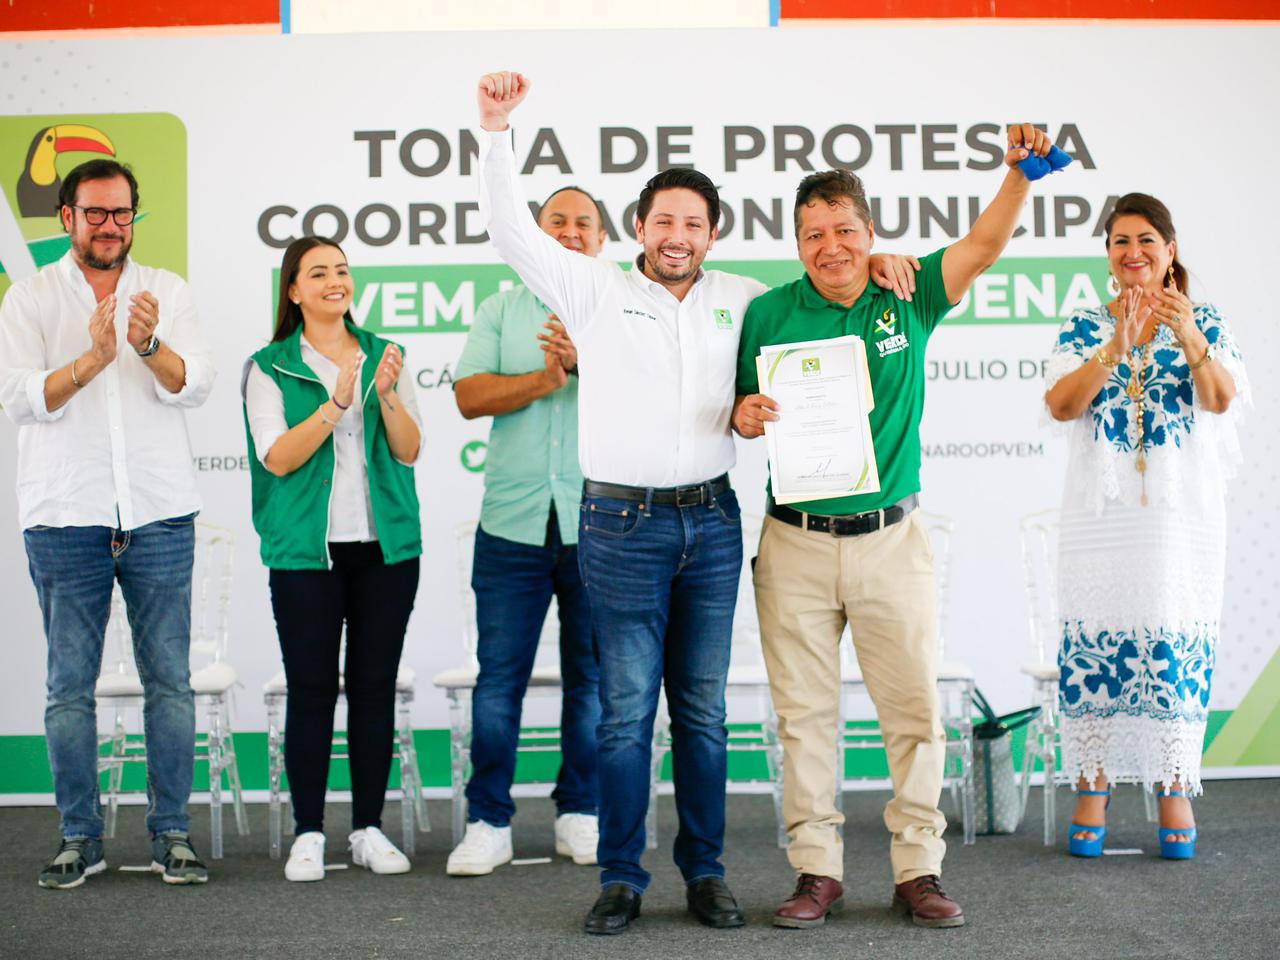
(617, 906)
(712, 903)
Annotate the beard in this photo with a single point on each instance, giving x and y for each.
(84, 253)
(671, 274)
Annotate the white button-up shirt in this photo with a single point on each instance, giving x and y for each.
(350, 508)
(117, 453)
(657, 374)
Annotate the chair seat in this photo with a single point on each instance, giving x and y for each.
(1041, 671)
(278, 686)
(459, 678)
(118, 685)
(545, 677)
(954, 670)
(218, 677)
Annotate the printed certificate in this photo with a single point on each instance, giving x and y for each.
(820, 446)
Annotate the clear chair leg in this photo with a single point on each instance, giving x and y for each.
(213, 743)
(275, 768)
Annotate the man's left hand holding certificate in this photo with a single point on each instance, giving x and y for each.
(820, 447)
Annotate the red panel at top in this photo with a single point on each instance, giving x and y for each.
(24, 15)
(1031, 9)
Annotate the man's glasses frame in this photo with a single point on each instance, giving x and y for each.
(97, 216)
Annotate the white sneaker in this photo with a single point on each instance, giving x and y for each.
(577, 836)
(370, 848)
(482, 848)
(306, 857)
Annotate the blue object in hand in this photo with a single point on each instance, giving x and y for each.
(1033, 168)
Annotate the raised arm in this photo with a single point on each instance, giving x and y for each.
(567, 282)
(969, 257)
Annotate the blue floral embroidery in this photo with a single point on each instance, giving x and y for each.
(1149, 671)
(1169, 414)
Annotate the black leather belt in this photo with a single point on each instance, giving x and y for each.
(851, 525)
(687, 496)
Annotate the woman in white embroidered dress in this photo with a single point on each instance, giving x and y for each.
(1152, 385)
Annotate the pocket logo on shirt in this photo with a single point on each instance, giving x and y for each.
(892, 342)
(724, 320)
(473, 456)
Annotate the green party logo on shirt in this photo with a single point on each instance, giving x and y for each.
(810, 366)
(724, 320)
(887, 322)
(473, 456)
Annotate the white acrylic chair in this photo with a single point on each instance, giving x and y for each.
(413, 806)
(119, 690)
(1038, 538)
(459, 683)
(955, 693)
(747, 681)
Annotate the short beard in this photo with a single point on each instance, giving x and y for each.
(666, 275)
(85, 256)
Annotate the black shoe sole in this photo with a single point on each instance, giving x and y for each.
(722, 923)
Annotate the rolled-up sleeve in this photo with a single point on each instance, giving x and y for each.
(187, 341)
(23, 364)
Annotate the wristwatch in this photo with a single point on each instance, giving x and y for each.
(153, 345)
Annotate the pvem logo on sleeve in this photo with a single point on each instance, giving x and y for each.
(893, 342)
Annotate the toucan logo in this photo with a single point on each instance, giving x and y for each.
(39, 182)
(888, 320)
(36, 153)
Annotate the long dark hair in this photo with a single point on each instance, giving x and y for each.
(288, 313)
(1155, 213)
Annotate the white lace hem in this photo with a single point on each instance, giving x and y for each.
(1134, 749)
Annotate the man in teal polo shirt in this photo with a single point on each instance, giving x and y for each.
(864, 560)
(520, 367)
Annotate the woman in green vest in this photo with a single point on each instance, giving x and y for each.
(333, 430)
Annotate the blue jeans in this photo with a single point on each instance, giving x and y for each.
(73, 569)
(514, 583)
(662, 582)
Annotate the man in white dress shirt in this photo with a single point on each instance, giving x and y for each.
(98, 358)
(660, 537)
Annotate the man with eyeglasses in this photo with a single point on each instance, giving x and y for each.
(99, 356)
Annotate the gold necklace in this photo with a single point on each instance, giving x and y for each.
(1138, 394)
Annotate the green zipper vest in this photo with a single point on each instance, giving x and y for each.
(291, 513)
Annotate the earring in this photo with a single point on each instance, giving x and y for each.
(1113, 286)
(296, 302)
(1173, 281)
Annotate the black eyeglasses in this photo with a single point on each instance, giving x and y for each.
(97, 216)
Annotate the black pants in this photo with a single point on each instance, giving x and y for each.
(374, 600)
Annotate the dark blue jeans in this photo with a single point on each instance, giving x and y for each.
(514, 583)
(73, 569)
(662, 581)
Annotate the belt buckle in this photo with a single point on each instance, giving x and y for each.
(688, 496)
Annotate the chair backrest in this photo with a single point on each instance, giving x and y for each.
(464, 547)
(1038, 536)
(940, 529)
(211, 582)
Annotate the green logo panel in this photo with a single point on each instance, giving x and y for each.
(37, 151)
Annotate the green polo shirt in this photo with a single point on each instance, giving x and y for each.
(895, 333)
(533, 452)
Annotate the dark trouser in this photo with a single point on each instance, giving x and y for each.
(662, 582)
(374, 600)
(514, 583)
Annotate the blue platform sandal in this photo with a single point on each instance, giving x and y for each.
(1082, 846)
(1177, 849)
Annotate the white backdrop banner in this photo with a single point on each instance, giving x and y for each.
(242, 144)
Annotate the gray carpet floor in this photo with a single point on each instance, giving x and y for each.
(1022, 899)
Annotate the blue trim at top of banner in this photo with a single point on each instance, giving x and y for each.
(284, 15)
(775, 11)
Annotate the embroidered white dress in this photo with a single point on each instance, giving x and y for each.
(1140, 587)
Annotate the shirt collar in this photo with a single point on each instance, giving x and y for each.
(810, 296)
(73, 275)
(640, 279)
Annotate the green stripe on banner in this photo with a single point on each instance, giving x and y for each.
(1252, 736)
(443, 298)
(24, 763)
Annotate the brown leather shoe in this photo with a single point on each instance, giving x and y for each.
(815, 897)
(923, 899)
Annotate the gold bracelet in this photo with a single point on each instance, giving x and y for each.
(1208, 355)
(1106, 359)
(74, 379)
(320, 409)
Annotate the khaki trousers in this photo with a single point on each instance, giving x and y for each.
(808, 585)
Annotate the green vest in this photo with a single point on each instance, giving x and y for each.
(291, 513)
